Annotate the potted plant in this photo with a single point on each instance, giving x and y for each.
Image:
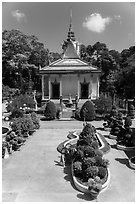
(89, 169)
(126, 137)
(132, 162)
(131, 111)
(116, 126)
(110, 118)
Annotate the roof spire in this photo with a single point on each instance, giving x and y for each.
(71, 17)
(71, 35)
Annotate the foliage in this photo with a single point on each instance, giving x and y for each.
(128, 122)
(90, 168)
(87, 112)
(91, 172)
(16, 113)
(35, 120)
(20, 102)
(102, 172)
(23, 124)
(126, 136)
(9, 93)
(103, 104)
(50, 110)
(21, 56)
(77, 166)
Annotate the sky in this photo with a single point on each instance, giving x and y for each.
(112, 23)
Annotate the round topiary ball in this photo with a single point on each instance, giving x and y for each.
(87, 111)
(50, 111)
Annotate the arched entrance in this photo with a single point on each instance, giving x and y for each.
(84, 90)
(55, 90)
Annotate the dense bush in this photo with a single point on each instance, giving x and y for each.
(23, 124)
(20, 102)
(9, 93)
(87, 112)
(103, 105)
(50, 110)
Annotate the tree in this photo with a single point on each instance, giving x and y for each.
(125, 84)
(21, 56)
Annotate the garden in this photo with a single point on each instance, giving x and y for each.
(23, 122)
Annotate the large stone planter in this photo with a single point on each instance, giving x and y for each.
(84, 188)
(131, 163)
(112, 136)
(107, 128)
(124, 148)
(5, 130)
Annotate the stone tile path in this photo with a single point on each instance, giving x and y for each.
(33, 174)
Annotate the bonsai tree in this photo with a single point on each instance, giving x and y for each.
(131, 111)
(126, 136)
(87, 112)
(117, 124)
(109, 118)
(50, 111)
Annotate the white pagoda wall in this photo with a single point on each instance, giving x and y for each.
(69, 86)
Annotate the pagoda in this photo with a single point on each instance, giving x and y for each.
(70, 75)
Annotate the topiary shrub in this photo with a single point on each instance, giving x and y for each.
(50, 111)
(87, 112)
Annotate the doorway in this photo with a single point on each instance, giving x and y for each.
(84, 90)
(55, 90)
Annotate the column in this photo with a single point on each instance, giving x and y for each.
(42, 87)
(97, 86)
(91, 85)
(60, 77)
(78, 85)
(49, 87)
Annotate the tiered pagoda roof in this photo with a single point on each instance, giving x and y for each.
(70, 61)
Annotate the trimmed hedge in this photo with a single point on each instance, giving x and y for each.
(87, 111)
(50, 111)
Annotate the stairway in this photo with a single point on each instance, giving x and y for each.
(67, 114)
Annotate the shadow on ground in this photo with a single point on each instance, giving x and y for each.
(86, 197)
(68, 177)
(123, 161)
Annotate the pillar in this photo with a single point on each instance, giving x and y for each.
(97, 85)
(49, 87)
(78, 86)
(42, 87)
(60, 76)
(91, 85)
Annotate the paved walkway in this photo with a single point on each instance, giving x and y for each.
(33, 174)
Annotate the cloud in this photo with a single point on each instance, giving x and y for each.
(96, 23)
(18, 15)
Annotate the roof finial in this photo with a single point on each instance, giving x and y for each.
(71, 17)
(71, 35)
